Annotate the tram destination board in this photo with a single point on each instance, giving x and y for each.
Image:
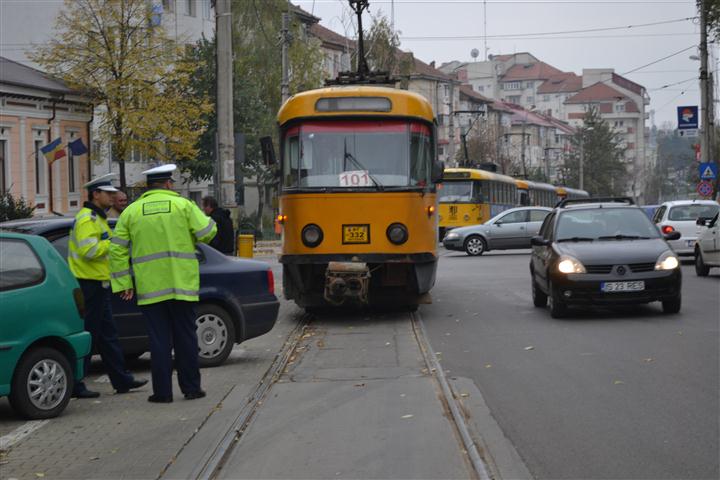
(358, 233)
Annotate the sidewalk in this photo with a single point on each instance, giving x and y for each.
(124, 436)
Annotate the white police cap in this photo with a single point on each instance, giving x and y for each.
(103, 183)
(163, 172)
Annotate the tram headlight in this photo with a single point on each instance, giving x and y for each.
(397, 233)
(312, 235)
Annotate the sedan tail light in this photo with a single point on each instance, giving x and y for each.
(271, 282)
(79, 301)
(667, 229)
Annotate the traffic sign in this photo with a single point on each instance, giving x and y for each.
(708, 171)
(687, 117)
(705, 188)
(689, 133)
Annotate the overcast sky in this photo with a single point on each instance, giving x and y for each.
(624, 50)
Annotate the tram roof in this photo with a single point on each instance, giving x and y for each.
(476, 174)
(402, 103)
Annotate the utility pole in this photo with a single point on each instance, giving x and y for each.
(285, 39)
(582, 161)
(226, 141)
(522, 151)
(451, 126)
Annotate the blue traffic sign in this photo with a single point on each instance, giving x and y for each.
(687, 117)
(708, 171)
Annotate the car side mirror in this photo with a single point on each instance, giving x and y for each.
(702, 221)
(675, 235)
(436, 173)
(538, 241)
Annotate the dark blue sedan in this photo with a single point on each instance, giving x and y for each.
(237, 297)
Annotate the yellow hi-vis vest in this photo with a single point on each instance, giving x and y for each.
(156, 235)
(88, 246)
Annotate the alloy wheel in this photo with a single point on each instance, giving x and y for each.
(47, 384)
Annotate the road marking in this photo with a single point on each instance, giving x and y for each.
(7, 441)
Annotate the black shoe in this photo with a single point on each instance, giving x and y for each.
(133, 385)
(86, 394)
(195, 395)
(160, 399)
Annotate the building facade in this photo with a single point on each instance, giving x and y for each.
(35, 110)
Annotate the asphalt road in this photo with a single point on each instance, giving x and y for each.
(617, 393)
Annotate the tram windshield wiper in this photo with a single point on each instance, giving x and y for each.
(349, 156)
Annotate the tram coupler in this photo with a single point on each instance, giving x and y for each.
(346, 281)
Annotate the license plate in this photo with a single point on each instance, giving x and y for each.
(356, 234)
(622, 286)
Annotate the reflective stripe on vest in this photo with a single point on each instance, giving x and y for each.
(167, 291)
(120, 274)
(120, 241)
(87, 241)
(205, 230)
(159, 255)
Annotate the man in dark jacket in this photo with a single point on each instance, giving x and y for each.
(224, 241)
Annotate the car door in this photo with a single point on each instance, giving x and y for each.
(541, 254)
(532, 228)
(509, 231)
(710, 242)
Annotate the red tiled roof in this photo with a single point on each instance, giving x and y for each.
(468, 91)
(331, 39)
(563, 83)
(596, 93)
(621, 81)
(532, 71)
(422, 69)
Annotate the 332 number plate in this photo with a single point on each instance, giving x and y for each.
(356, 234)
(610, 287)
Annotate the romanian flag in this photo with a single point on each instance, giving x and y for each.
(53, 150)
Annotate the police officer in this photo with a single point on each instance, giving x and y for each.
(157, 234)
(88, 248)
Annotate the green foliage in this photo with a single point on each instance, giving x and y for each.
(136, 73)
(713, 16)
(603, 167)
(14, 209)
(382, 50)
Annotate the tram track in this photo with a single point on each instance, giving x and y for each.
(212, 464)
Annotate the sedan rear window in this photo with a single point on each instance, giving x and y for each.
(690, 213)
(605, 223)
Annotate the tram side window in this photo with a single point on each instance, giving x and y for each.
(480, 192)
(290, 166)
(421, 155)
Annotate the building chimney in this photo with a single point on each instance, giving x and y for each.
(432, 64)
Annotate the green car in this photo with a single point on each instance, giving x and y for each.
(42, 337)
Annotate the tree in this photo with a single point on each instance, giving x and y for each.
(603, 167)
(382, 50)
(12, 208)
(113, 53)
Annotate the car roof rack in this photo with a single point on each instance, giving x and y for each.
(569, 201)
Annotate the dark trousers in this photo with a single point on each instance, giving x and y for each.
(100, 324)
(171, 324)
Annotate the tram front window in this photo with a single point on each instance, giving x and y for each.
(374, 154)
(454, 192)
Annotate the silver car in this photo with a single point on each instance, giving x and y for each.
(510, 229)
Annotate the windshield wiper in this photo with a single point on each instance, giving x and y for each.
(623, 237)
(349, 156)
(576, 239)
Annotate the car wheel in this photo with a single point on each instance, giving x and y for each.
(672, 305)
(539, 297)
(701, 269)
(558, 308)
(42, 384)
(475, 245)
(216, 335)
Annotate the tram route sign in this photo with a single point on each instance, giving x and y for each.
(705, 188)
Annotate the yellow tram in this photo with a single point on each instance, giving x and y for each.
(566, 192)
(536, 194)
(357, 196)
(471, 196)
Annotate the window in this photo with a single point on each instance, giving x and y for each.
(538, 215)
(168, 5)
(605, 224)
(189, 7)
(529, 84)
(19, 266)
(519, 216)
(690, 213)
(512, 85)
(72, 186)
(530, 100)
(659, 214)
(61, 245)
(619, 107)
(514, 99)
(3, 155)
(546, 228)
(40, 169)
(480, 88)
(546, 98)
(456, 192)
(206, 9)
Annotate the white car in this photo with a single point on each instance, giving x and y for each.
(681, 215)
(707, 248)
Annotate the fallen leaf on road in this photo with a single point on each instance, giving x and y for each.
(182, 419)
(488, 365)
(648, 360)
(94, 458)
(530, 348)
(618, 382)
(464, 395)
(39, 474)
(447, 334)
(438, 353)
(97, 401)
(359, 384)
(680, 332)
(387, 344)
(402, 395)
(408, 416)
